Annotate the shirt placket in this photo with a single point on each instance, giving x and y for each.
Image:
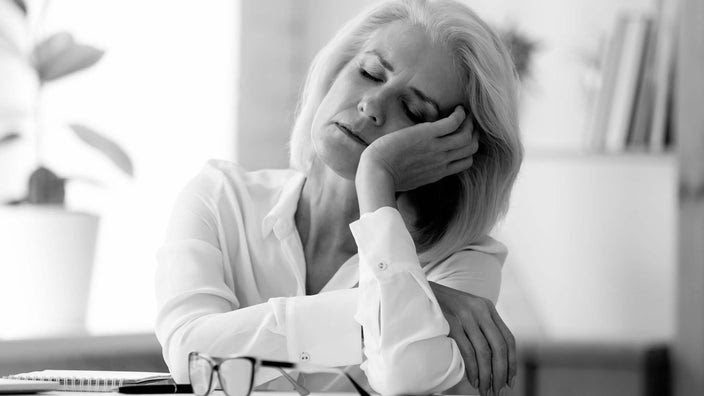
(293, 251)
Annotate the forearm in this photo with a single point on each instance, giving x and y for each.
(319, 329)
(375, 188)
(405, 341)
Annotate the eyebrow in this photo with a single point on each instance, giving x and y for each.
(416, 91)
(383, 61)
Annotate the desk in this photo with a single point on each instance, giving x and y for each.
(218, 393)
(545, 368)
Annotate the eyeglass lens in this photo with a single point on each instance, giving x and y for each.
(235, 376)
(200, 373)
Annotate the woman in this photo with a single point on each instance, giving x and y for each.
(393, 188)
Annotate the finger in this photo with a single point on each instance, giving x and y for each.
(468, 355)
(468, 127)
(499, 352)
(454, 140)
(459, 165)
(460, 153)
(475, 142)
(510, 344)
(482, 352)
(450, 123)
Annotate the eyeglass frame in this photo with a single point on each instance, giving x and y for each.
(215, 363)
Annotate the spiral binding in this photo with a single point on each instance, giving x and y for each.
(77, 384)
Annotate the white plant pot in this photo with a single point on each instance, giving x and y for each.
(46, 263)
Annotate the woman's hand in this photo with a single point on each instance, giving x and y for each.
(486, 344)
(426, 152)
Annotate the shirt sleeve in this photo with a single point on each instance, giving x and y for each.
(405, 332)
(198, 308)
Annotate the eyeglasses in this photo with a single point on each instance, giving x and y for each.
(236, 374)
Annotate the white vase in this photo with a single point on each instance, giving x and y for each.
(46, 263)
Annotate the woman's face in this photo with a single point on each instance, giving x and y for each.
(398, 79)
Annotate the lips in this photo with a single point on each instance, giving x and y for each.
(350, 133)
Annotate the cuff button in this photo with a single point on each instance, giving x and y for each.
(381, 266)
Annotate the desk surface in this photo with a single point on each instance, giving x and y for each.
(218, 393)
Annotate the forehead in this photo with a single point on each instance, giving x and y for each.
(411, 53)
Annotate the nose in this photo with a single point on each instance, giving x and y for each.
(370, 107)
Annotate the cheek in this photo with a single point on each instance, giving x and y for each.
(395, 120)
(347, 89)
(340, 97)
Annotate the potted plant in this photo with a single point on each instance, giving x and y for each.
(46, 250)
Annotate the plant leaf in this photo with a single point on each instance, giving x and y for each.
(51, 47)
(9, 138)
(21, 5)
(59, 55)
(106, 146)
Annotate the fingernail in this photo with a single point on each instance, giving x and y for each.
(513, 381)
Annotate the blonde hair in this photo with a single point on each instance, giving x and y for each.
(463, 207)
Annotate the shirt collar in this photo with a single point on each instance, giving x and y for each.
(280, 217)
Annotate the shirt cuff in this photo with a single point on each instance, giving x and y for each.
(321, 329)
(385, 246)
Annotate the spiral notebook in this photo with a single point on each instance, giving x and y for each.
(92, 381)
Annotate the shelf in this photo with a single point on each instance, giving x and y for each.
(596, 156)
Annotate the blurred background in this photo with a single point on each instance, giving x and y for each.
(127, 99)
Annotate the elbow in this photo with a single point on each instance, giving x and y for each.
(175, 347)
(394, 382)
(175, 354)
(416, 371)
(407, 380)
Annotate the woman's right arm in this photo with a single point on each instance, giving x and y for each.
(198, 308)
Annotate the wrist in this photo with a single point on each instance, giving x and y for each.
(374, 184)
(370, 169)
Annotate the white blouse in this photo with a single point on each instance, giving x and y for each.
(231, 281)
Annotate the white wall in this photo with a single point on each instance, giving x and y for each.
(592, 242)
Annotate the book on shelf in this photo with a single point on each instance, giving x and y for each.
(628, 70)
(663, 68)
(639, 125)
(608, 81)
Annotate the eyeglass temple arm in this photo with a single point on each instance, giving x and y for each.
(361, 390)
(338, 371)
(280, 365)
(299, 388)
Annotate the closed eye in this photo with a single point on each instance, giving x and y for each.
(415, 117)
(368, 76)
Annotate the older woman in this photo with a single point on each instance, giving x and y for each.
(373, 249)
